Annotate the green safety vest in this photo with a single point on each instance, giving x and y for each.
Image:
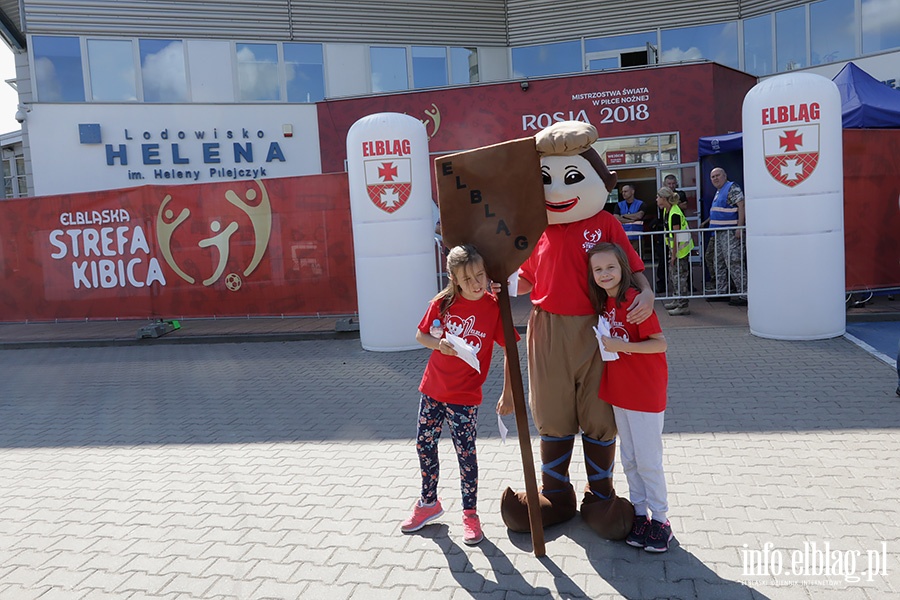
(684, 240)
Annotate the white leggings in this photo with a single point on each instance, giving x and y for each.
(641, 450)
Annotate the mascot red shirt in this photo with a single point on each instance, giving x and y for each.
(564, 364)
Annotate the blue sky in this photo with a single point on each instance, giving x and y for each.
(8, 98)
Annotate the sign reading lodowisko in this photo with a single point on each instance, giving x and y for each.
(493, 197)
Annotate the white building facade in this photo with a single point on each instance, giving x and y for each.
(115, 94)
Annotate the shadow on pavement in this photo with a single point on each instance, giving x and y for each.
(468, 577)
(633, 573)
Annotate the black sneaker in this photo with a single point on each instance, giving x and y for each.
(640, 529)
(659, 537)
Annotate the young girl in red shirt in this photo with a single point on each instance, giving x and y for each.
(635, 385)
(451, 388)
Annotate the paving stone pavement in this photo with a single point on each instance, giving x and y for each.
(282, 470)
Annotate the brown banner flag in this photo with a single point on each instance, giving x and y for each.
(493, 198)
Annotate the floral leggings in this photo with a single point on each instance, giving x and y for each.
(462, 420)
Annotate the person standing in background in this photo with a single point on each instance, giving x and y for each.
(725, 214)
(630, 213)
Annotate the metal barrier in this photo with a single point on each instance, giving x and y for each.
(707, 263)
(651, 246)
(702, 273)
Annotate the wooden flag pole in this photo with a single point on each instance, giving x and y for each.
(518, 392)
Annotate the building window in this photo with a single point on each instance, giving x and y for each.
(463, 66)
(429, 66)
(620, 51)
(304, 72)
(13, 165)
(880, 25)
(257, 72)
(712, 42)
(162, 70)
(832, 31)
(21, 183)
(113, 75)
(389, 69)
(57, 69)
(640, 150)
(758, 46)
(547, 59)
(790, 39)
(7, 178)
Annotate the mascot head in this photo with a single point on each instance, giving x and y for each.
(576, 180)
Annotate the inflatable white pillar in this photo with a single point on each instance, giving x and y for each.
(793, 177)
(393, 233)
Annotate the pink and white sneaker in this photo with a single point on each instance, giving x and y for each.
(421, 516)
(472, 533)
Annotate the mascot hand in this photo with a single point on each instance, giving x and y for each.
(642, 307)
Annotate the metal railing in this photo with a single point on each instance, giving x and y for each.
(707, 263)
(651, 246)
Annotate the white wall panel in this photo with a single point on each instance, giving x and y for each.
(346, 70)
(493, 64)
(74, 166)
(209, 71)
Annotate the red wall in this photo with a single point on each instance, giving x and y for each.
(871, 211)
(284, 247)
(696, 100)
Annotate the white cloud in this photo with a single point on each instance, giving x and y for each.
(163, 74)
(258, 78)
(49, 84)
(880, 15)
(678, 55)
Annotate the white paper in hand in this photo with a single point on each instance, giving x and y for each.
(512, 284)
(463, 350)
(503, 429)
(602, 329)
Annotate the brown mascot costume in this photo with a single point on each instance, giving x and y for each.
(564, 364)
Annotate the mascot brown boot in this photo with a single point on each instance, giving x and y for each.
(606, 513)
(557, 498)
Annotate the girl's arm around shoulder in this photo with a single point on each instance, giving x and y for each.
(654, 344)
(432, 343)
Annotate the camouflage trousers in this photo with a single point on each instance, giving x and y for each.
(730, 263)
(680, 279)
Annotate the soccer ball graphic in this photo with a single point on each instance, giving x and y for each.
(233, 282)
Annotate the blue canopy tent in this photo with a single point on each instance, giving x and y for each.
(866, 103)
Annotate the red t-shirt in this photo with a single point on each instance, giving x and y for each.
(448, 378)
(558, 266)
(634, 381)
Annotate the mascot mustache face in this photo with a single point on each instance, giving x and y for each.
(573, 190)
